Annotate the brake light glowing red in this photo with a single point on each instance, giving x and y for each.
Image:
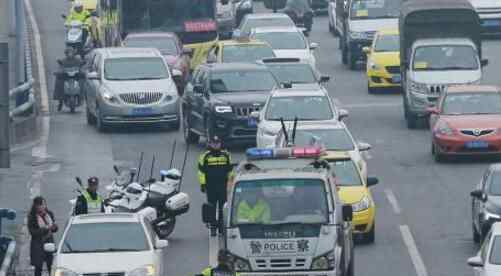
(200, 26)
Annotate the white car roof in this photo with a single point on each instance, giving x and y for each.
(291, 92)
(276, 29)
(313, 126)
(266, 15)
(101, 217)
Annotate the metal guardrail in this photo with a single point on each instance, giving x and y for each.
(6, 265)
(23, 91)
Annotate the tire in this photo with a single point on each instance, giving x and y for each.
(72, 103)
(165, 228)
(331, 29)
(91, 120)
(371, 90)
(351, 266)
(176, 125)
(476, 236)
(352, 61)
(411, 120)
(207, 132)
(189, 136)
(344, 55)
(436, 154)
(370, 237)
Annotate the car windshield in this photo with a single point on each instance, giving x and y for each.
(330, 139)
(452, 57)
(472, 103)
(135, 69)
(294, 73)
(374, 9)
(283, 40)
(346, 173)
(495, 184)
(102, 237)
(252, 23)
(242, 81)
(387, 43)
(277, 201)
(495, 257)
(306, 108)
(247, 53)
(166, 45)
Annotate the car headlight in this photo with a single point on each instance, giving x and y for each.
(246, 5)
(60, 271)
(418, 88)
(240, 264)
(324, 262)
(147, 270)
(223, 109)
(374, 66)
(110, 98)
(362, 205)
(168, 98)
(488, 215)
(359, 35)
(443, 128)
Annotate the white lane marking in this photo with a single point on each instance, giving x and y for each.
(44, 106)
(413, 251)
(213, 249)
(393, 201)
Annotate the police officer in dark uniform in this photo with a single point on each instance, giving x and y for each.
(214, 169)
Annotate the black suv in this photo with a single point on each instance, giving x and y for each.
(486, 202)
(220, 98)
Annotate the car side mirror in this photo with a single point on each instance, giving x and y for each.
(255, 115)
(208, 213)
(49, 247)
(371, 181)
(188, 51)
(160, 244)
(343, 113)
(93, 76)
(475, 262)
(198, 89)
(347, 212)
(324, 79)
(313, 46)
(366, 50)
(484, 62)
(362, 146)
(432, 110)
(478, 194)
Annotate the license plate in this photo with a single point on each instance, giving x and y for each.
(476, 145)
(396, 79)
(491, 23)
(142, 111)
(252, 122)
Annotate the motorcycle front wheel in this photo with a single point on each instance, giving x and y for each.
(165, 227)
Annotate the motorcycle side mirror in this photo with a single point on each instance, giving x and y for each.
(63, 16)
(208, 213)
(79, 181)
(115, 168)
(60, 62)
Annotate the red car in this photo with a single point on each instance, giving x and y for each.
(466, 121)
(176, 56)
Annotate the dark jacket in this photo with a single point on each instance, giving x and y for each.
(39, 236)
(81, 204)
(59, 82)
(214, 168)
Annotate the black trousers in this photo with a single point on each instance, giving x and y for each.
(216, 196)
(48, 262)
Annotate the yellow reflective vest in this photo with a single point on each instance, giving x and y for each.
(260, 213)
(93, 205)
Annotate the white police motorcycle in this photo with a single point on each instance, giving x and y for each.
(75, 37)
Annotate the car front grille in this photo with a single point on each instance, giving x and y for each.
(282, 263)
(105, 274)
(436, 89)
(477, 132)
(140, 98)
(245, 111)
(393, 69)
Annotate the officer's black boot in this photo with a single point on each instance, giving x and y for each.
(60, 105)
(213, 231)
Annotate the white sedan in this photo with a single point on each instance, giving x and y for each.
(109, 244)
(488, 260)
(287, 42)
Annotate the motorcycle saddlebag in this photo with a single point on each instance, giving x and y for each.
(178, 204)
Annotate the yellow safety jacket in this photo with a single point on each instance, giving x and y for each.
(209, 271)
(93, 205)
(214, 167)
(260, 213)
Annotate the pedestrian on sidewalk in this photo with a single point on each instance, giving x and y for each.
(42, 225)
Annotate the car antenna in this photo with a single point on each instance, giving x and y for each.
(184, 165)
(172, 154)
(151, 180)
(286, 135)
(140, 166)
(294, 131)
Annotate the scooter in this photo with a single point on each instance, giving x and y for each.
(75, 37)
(72, 96)
(301, 19)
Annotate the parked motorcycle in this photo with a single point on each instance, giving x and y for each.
(72, 95)
(128, 195)
(76, 38)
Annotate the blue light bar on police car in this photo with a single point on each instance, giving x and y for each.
(281, 153)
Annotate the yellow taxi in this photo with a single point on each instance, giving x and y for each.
(239, 50)
(383, 61)
(354, 189)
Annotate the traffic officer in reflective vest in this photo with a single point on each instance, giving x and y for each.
(214, 169)
(90, 201)
(224, 266)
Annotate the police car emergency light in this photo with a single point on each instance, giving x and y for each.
(283, 153)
